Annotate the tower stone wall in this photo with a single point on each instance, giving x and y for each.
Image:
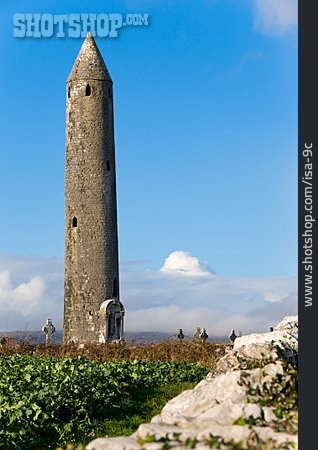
(91, 243)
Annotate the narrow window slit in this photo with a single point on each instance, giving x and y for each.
(88, 90)
(74, 222)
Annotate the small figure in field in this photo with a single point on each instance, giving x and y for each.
(271, 328)
(203, 335)
(3, 342)
(232, 336)
(49, 330)
(180, 335)
(197, 334)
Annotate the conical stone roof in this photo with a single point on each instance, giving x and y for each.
(89, 64)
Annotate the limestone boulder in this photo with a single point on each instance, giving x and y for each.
(116, 443)
(227, 413)
(279, 344)
(203, 397)
(279, 337)
(282, 343)
(245, 435)
(289, 323)
(268, 414)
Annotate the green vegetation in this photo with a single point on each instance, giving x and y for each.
(148, 403)
(48, 402)
(281, 394)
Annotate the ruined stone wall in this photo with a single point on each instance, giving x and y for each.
(91, 244)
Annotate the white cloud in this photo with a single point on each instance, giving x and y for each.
(275, 17)
(165, 301)
(31, 290)
(183, 263)
(23, 298)
(184, 293)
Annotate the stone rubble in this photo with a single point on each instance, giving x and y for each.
(209, 410)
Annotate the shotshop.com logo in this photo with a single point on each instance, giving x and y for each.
(74, 25)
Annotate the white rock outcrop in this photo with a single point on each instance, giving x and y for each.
(217, 413)
(284, 339)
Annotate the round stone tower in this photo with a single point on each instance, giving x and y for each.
(92, 310)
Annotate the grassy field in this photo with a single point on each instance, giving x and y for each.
(147, 404)
(52, 396)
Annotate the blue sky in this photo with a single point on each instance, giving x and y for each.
(205, 128)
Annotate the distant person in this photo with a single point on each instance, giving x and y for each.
(203, 335)
(271, 328)
(3, 342)
(180, 334)
(232, 336)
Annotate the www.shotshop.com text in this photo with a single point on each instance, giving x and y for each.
(307, 235)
